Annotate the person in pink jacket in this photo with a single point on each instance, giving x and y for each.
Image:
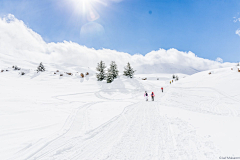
(152, 95)
(146, 95)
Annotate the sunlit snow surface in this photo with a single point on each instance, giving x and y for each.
(45, 116)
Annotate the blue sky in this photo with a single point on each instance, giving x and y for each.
(205, 27)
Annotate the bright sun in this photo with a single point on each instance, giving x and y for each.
(82, 5)
(85, 8)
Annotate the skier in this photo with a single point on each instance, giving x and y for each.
(162, 89)
(146, 95)
(152, 95)
(170, 82)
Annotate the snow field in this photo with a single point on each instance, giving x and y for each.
(45, 116)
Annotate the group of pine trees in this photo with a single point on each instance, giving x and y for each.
(112, 71)
(111, 74)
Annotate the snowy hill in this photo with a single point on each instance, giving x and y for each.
(48, 116)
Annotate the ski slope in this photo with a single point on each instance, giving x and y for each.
(44, 116)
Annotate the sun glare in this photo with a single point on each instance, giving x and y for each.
(85, 8)
(82, 5)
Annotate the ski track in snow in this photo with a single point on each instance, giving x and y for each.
(29, 152)
(189, 98)
(141, 131)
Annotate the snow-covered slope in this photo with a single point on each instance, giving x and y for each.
(45, 116)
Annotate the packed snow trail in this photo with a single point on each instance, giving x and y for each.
(141, 131)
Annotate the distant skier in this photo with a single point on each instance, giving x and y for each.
(170, 82)
(162, 89)
(152, 95)
(146, 95)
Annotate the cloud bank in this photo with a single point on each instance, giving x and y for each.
(237, 20)
(21, 43)
(238, 32)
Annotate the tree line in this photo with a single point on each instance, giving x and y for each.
(112, 71)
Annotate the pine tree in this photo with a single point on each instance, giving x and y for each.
(40, 68)
(173, 76)
(113, 69)
(109, 77)
(101, 68)
(129, 72)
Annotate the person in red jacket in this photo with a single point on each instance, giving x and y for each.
(162, 89)
(152, 95)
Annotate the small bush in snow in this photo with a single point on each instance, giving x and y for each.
(70, 74)
(22, 73)
(128, 71)
(40, 68)
(16, 68)
(238, 64)
(82, 75)
(101, 69)
(173, 76)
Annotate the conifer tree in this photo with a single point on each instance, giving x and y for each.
(109, 77)
(101, 68)
(40, 68)
(113, 69)
(128, 71)
(173, 76)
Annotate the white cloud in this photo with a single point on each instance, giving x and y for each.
(219, 60)
(238, 32)
(236, 19)
(20, 42)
